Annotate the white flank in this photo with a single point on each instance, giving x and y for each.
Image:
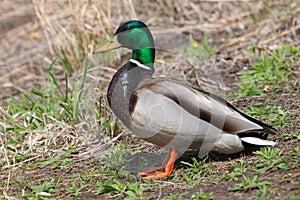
(257, 141)
(140, 64)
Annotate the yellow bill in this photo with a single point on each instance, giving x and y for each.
(110, 45)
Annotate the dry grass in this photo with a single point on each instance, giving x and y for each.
(74, 27)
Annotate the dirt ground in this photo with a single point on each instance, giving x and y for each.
(231, 27)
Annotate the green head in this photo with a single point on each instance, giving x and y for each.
(136, 36)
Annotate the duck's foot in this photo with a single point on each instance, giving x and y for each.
(163, 171)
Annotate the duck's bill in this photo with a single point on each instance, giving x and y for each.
(110, 45)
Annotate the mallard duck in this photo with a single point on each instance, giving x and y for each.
(170, 113)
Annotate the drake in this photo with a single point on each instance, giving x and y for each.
(170, 113)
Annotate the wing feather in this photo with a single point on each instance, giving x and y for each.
(202, 105)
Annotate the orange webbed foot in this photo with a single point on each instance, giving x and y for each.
(163, 171)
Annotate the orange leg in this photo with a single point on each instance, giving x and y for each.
(163, 171)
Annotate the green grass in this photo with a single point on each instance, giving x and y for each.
(272, 69)
(237, 169)
(278, 116)
(205, 44)
(202, 196)
(200, 51)
(32, 114)
(121, 190)
(41, 107)
(174, 197)
(76, 189)
(196, 170)
(45, 188)
(249, 183)
(290, 136)
(269, 158)
(39, 132)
